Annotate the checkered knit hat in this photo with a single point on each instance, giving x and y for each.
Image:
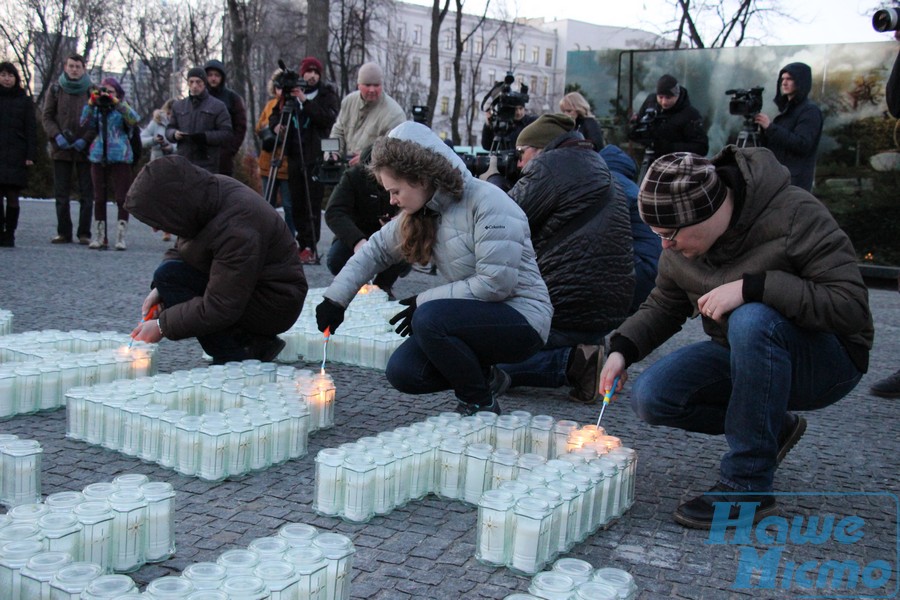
(680, 189)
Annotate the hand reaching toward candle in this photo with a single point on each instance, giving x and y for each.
(153, 302)
(404, 317)
(329, 315)
(147, 331)
(612, 368)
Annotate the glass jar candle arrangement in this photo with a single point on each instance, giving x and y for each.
(268, 416)
(38, 367)
(20, 472)
(38, 571)
(575, 579)
(6, 320)
(69, 581)
(366, 339)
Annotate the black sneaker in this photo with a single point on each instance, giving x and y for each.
(698, 512)
(499, 382)
(467, 410)
(583, 373)
(790, 434)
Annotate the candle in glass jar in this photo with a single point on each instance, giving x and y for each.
(359, 488)
(477, 472)
(494, 532)
(329, 482)
(531, 524)
(129, 529)
(160, 538)
(338, 551)
(96, 519)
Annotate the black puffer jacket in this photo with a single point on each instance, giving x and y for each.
(590, 271)
(793, 136)
(358, 206)
(677, 129)
(18, 141)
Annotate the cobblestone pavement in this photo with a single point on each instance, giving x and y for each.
(425, 550)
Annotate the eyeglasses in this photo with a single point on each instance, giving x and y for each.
(668, 238)
(520, 150)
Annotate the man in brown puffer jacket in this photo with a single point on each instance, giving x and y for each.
(234, 279)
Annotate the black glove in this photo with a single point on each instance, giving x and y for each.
(405, 317)
(329, 315)
(198, 138)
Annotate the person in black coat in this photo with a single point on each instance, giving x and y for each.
(674, 126)
(576, 106)
(581, 232)
(18, 148)
(318, 104)
(793, 135)
(357, 208)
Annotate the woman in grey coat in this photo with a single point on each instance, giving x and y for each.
(494, 307)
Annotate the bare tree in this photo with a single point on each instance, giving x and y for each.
(726, 23)
(461, 42)
(437, 18)
(317, 34)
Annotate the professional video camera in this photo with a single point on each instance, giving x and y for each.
(642, 131)
(502, 103)
(329, 170)
(287, 80)
(479, 163)
(886, 19)
(745, 103)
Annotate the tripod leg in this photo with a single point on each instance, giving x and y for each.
(310, 213)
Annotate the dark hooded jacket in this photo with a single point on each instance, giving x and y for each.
(786, 248)
(589, 267)
(237, 110)
(677, 129)
(227, 230)
(18, 127)
(647, 245)
(358, 205)
(794, 134)
(314, 120)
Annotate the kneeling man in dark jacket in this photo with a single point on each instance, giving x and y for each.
(233, 280)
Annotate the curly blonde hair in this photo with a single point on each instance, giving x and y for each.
(419, 166)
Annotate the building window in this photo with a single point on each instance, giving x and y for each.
(521, 52)
(546, 85)
(492, 77)
(445, 105)
(492, 49)
(535, 54)
(416, 67)
(417, 35)
(533, 85)
(548, 59)
(479, 46)
(448, 72)
(507, 53)
(448, 42)
(401, 33)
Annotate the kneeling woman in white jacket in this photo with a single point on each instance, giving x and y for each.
(495, 307)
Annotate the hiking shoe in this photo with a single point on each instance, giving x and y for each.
(889, 387)
(84, 240)
(583, 373)
(790, 435)
(698, 512)
(61, 239)
(467, 410)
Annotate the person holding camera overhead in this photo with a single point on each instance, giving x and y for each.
(200, 124)
(69, 140)
(793, 135)
(111, 156)
(314, 105)
(666, 121)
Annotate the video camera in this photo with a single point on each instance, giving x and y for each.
(507, 162)
(330, 169)
(287, 80)
(745, 103)
(502, 103)
(642, 131)
(886, 19)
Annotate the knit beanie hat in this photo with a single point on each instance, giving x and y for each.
(668, 86)
(311, 63)
(198, 72)
(680, 189)
(370, 74)
(545, 129)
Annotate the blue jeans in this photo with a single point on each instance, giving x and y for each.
(340, 253)
(772, 366)
(179, 282)
(453, 345)
(281, 187)
(547, 368)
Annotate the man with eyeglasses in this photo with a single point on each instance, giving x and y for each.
(776, 284)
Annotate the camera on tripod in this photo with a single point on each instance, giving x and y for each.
(507, 162)
(745, 103)
(503, 103)
(642, 131)
(330, 169)
(886, 19)
(289, 80)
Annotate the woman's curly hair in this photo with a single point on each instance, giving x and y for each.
(420, 166)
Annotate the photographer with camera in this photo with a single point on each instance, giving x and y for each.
(666, 121)
(111, 156)
(305, 113)
(357, 208)
(500, 132)
(200, 124)
(366, 114)
(793, 135)
(61, 118)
